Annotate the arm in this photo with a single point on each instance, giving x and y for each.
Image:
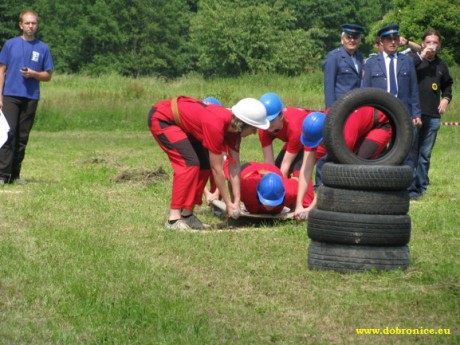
(287, 162)
(446, 90)
(306, 172)
(269, 156)
(235, 182)
(412, 45)
(219, 178)
(366, 74)
(330, 72)
(2, 81)
(416, 112)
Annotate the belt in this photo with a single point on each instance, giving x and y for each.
(175, 112)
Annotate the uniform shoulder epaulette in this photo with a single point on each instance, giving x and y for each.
(372, 56)
(334, 52)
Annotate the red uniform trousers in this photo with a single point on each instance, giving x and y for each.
(367, 132)
(189, 160)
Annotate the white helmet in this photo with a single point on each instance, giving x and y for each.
(251, 111)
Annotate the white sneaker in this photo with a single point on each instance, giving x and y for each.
(195, 223)
(179, 225)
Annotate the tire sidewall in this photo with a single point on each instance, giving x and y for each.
(393, 108)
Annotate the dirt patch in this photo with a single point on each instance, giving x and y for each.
(142, 175)
(127, 175)
(102, 161)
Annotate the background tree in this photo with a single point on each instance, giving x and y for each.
(171, 38)
(415, 17)
(234, 37)
(136, 37)
(325, 17)
(9, 19)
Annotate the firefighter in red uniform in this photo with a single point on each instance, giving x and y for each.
(367, 132)
(194, 135)
(286, 125)
(264, 189)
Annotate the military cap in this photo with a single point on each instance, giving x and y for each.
(391, 29)
(352, 29)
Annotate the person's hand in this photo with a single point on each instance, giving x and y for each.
(301, 213)
(210, 197)
(417, 122)
(233, 210)
(443, 105)
(403, 41)
(428, 52)
(27, 73)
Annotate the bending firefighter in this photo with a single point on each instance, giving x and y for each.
(195, 135)
(286, 125)
(367, 133)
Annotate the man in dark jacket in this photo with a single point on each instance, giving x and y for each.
(435, 89)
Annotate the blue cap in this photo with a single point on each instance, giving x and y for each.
(352, 29)
(211, 100)
(391, 29)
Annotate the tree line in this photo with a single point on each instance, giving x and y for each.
(170, 38)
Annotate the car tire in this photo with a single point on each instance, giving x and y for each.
(392, 107)
(359, 229)
(367, 177)
(363, 201)
(356, 259)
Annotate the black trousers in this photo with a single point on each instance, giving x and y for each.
(20, 114)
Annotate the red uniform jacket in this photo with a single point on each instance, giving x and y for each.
(252, 173)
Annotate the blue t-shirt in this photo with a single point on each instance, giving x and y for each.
(18, 53)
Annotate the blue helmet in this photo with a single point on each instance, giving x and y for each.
(270, 190)
(312, 129)
(211, 100)
(273, 104)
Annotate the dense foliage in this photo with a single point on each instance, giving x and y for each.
(218, 37)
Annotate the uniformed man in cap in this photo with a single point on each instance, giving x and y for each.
(394, 72)
(343, 66)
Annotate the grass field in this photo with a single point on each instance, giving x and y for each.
(84, 257)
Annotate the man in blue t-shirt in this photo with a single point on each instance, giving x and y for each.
(25, 61)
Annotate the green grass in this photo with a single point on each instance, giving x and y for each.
(84, 257)
(113, 102)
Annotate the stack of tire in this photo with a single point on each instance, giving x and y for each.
(361, 222)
